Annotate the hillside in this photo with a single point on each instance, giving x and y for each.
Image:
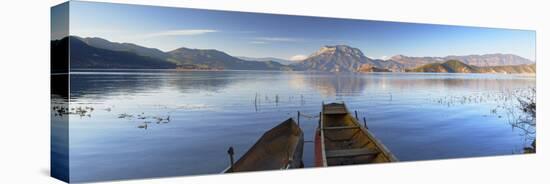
(370, 68)
(473, 60)
(219, 60)
(126, 47)
(84, 56)
(531, 68)
(59, 54)
(455, 66)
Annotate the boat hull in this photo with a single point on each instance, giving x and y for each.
(279, 148)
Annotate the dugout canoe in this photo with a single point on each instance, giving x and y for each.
(279, 148)
(341, 140)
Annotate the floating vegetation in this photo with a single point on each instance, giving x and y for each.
(60, 110)
(151, 119)
(501, 98)
(80, 111)
(145, 120)
(144, 126)
(125, 116)
(141, 116)
(193, 106)
(162, 120)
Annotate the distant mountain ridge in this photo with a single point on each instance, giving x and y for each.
(101, 53)
(218, 60)
(83, 55)
(474, 60)
(127, 47)
(455, 66)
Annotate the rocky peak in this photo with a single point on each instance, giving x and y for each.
(338, 49)
(397, 57)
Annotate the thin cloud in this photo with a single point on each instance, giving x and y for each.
(277, 39)
(258, 42)
(181, 32)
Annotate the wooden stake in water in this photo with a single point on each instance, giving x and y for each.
(356, 115)
(365, 122)
(230, 152)
(298, 118)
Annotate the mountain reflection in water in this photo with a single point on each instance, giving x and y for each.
(212, 110)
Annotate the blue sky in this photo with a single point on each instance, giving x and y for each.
(283, 36)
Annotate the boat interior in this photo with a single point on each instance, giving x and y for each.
(346, 141)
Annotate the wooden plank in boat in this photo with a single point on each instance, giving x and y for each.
(334, 109)
(351, 152)
(340, 127)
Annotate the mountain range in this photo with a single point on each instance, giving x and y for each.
(343, 58)
(218, 60)
(83, 55)
(455, 66)
(126, 47)
(474, 60)
(101, 53)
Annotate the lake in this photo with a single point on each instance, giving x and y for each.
(193, 117)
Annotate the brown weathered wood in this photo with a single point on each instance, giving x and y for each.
(279, 148)
(345, 141)
(341, 127)
(351, 152)
(333, 109)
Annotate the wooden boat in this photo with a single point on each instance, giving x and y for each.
(279, 148)
(341, 140)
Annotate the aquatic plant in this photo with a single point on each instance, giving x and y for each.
(518, 106)
(125, 116)
(63, 110)
(526, 119)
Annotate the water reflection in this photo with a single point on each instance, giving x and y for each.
(99, 85)
(59, 126)
(330, 85)
(209, 111)
(202, 81)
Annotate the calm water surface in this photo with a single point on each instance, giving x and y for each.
(417, 116)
